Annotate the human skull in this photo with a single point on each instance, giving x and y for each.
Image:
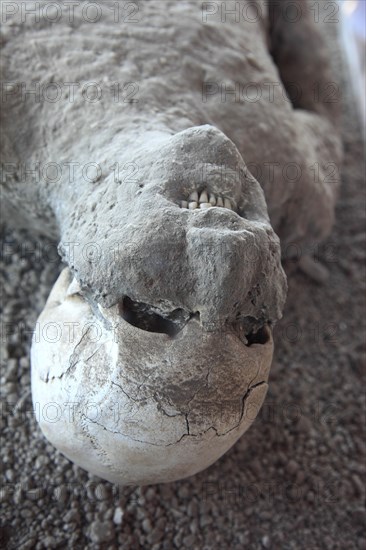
(163, 347)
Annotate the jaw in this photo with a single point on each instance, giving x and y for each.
(141, 241)
(136, 406)
(171, 344)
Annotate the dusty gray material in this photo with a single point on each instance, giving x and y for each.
(205, 272)
(172, 94)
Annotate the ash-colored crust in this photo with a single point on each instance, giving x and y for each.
(170, 55)
(171, 110)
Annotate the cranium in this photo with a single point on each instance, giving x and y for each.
(168, 358)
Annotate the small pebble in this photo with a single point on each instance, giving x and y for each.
(101, 531)
(117, 516)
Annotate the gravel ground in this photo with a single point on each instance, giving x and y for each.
(294, 481)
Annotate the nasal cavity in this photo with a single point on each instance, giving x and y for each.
(142, 316)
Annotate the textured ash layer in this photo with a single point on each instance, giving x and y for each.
(215, 262)
(129, 215)
(133, 221)
(170, 36)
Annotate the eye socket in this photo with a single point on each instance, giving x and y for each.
(262, 336)
(142, 316)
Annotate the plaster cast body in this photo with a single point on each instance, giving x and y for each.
(182, 300)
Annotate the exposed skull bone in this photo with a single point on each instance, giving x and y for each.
(136, 407)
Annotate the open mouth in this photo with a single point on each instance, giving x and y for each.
(147, 318)
(205, 199)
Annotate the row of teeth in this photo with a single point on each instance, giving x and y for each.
(205, 200)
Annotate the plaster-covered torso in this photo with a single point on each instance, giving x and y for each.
(170, 54)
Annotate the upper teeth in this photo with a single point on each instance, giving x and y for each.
(203, 197)
(205, 200)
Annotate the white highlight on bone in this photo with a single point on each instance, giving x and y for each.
(193, 196)
(74, 288)
(192, 205)
(205, 205)
(203, 197)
